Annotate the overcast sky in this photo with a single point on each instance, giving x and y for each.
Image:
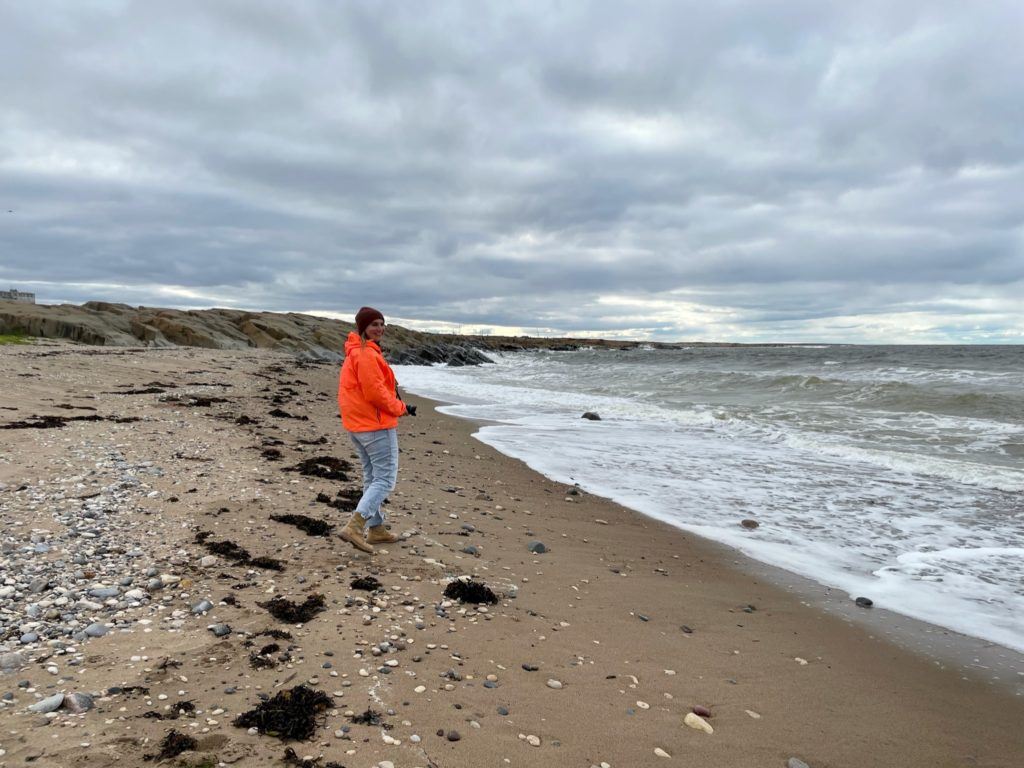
(737, 171)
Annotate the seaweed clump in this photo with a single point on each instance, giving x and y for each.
(277, 634)
(470, 592)
(236, 553)
(370, 717)
(290, 715)
(291, 758)
(262, 660)
(343, 503)
(173, 744)
(326, 467)
(369, 583)
(294, 613)
(311, 525)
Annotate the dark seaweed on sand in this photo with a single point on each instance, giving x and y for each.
(294, 613)
(267, 563)
(343, 503)
(193, 401)
(311, 525)
(277, 634)
(470, 592)
(258, 661)
(173, 744)
(369, 583)
(327, 467)
(58, 422)
(229, 550)
(290, 716)
(290, 758)
(370, 717)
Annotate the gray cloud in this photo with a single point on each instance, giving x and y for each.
(760, 170)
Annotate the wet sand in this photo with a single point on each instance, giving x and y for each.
(638, 622)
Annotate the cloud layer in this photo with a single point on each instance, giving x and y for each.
(670, 170)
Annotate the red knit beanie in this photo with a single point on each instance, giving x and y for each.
(364, 317)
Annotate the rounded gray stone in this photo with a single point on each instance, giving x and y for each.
(49, 704)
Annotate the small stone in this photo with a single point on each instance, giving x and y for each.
(591, 416)
(469, 549)
(202, 606)
(702, 711)
(452, 736)
(208, 561)
(49, 704)
(556, 684)
(537, 547)
(77, 703)
(750, 524)
(864, 602)
(661, 752)
(96, 630)
(502, 711)
(753, 714)
(795, 762)
(220, 630)
(697, 723)
(533, 741)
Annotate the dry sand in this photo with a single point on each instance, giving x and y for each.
(602, 611)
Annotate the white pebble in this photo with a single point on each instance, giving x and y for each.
(556, 684)
(661, 752)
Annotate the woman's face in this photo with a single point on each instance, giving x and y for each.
(375, 330)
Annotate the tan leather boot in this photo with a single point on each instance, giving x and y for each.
(353, 533)
(381, 535)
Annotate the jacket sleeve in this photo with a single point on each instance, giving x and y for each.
(374, 388)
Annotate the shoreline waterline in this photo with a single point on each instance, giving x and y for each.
(998, 665)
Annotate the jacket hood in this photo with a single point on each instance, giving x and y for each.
(355, 341)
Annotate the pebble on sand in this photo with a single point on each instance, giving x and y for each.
(556, 684)
(697, 723)
(49, 704)
(661, 752)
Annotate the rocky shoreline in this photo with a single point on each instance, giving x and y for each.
(304, 336)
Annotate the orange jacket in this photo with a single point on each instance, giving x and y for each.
(366, 388)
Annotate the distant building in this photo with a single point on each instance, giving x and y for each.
(15, 295)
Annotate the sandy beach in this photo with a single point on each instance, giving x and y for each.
(117, 526)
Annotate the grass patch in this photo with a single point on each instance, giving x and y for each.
(14, 338)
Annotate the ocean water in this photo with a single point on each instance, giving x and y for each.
(896, 473)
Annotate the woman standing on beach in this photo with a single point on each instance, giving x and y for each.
(370, 409)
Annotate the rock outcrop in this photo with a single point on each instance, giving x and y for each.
(307, 336)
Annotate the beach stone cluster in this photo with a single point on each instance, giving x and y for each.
(75, 564)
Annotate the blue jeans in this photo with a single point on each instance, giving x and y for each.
(378, 452)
